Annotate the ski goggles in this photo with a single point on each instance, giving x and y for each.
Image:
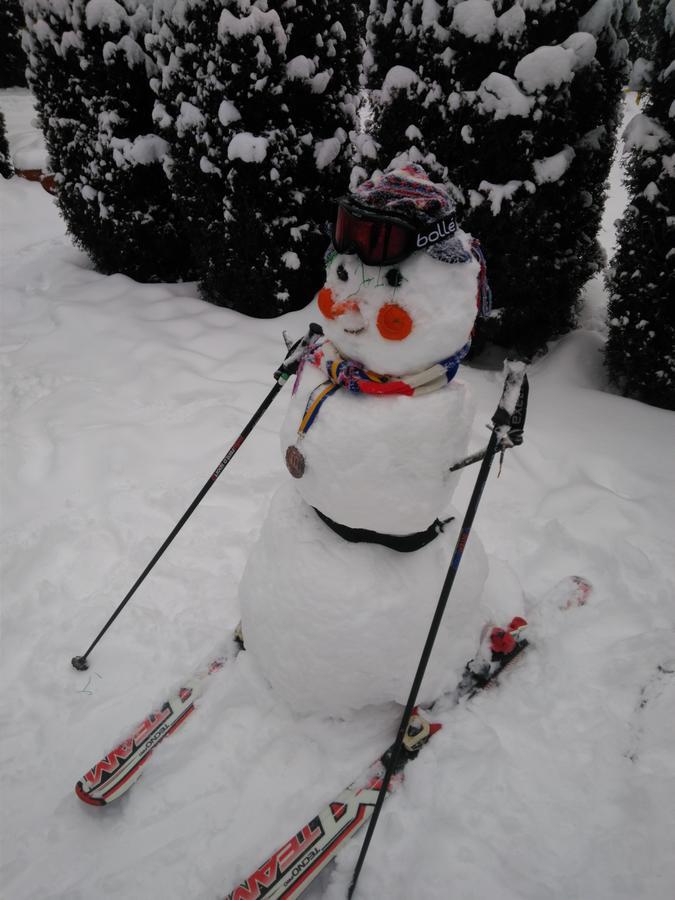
(383, 238)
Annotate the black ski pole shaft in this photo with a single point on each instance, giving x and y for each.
(426, 653)
(281, 375)
(80, 662)
(497, 438)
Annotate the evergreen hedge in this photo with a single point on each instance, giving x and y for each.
(640, 353)
(90, 76)
(12, 57)
(6, 168)
(517, 105)
(255, 101)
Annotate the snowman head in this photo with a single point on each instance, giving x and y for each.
(403, 281)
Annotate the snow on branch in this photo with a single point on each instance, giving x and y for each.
(645, 134)
(600, 16)
(247, 147)
(228, 113)
(511, 23)
(105, 12)
(500, 95)
(253, 24)
(497, 193)
(475, 19)
(546, 67)
(398, 78)
(552, 168)
(301, 68)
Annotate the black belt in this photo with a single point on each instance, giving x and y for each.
(404, 543)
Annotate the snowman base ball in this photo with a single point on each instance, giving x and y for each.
(342, 625)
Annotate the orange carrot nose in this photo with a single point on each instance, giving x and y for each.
(332, 310)
(393, 322)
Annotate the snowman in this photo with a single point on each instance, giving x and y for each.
(341, 586)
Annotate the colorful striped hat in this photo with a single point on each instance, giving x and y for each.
(407, 191)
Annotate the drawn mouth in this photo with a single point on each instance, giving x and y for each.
(354, 330)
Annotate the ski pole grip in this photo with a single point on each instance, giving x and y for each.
(290, 364)
(509, 417)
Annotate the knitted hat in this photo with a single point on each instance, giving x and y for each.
(410, 193)
(407, 191)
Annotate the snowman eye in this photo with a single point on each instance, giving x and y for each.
(341, 273)
(394, 277)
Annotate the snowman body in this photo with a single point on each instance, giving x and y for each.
(336, 623)
(379, 463)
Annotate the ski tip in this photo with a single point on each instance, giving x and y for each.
(580, 594)
(570, 592)
(87, 798)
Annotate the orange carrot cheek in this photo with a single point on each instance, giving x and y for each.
(393, 322)
(327, 303)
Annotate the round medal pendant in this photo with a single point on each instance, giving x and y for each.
(295, 462)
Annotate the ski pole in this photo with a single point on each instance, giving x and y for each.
(511, 405)
(287, 368)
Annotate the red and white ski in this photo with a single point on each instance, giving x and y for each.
(113, 775)
(116, 772)
(287, 873)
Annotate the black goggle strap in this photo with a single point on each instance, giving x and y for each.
(439, 231)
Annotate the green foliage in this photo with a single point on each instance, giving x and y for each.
(518, 110)
(89, 73)
(6, 168)
(640, 351)
(12, 57)
(254, 99)
(191, 138)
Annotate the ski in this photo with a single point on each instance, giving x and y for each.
(293, 867)
(118, 770)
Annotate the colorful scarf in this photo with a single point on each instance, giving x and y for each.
(343, 373)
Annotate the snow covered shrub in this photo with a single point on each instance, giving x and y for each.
(90, 75)
(12, 57)
(640, 42)
(527, 97)
(6, 168)
(254, 99)
(411, 80)
(640, 351)
(323, 60)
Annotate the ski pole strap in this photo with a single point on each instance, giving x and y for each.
(297, 353)
(403, 543)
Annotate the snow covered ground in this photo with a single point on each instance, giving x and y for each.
(118, 401)
(27, 145)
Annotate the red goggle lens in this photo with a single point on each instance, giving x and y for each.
(376, 242)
